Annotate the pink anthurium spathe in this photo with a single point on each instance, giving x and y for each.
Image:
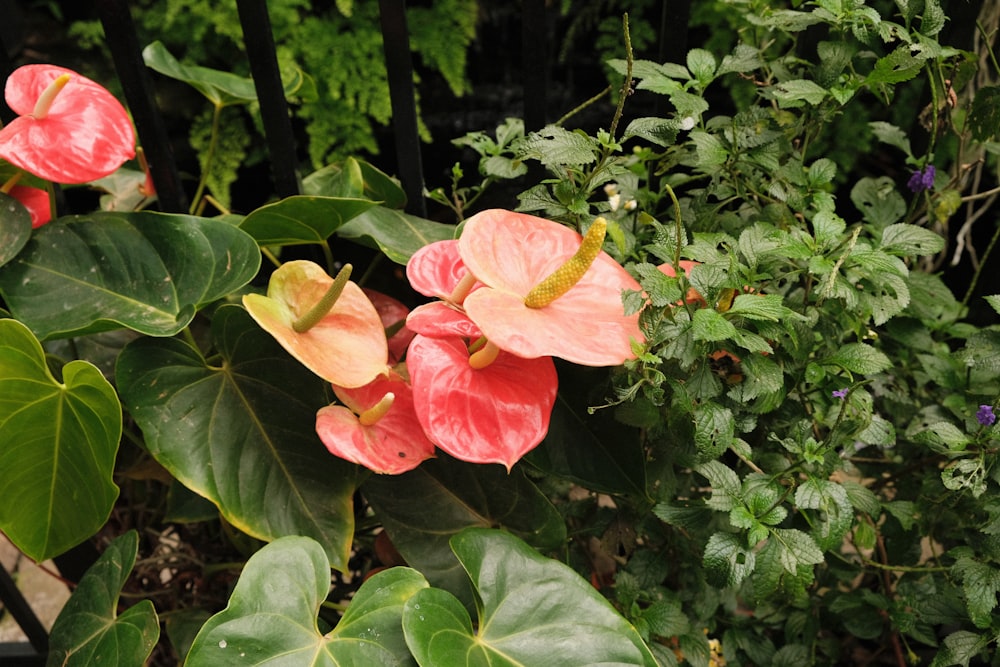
(376, 427)
(494, 414)
(36, 201)
(346, 346)
(69, 129)
(393, 314)
(437, 270)
(512, 253)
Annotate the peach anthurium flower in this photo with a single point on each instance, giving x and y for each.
(392, 313)
(376, 427)
(345, 347)
(493, 414)
(693, 295)
(36, 201)
(511, 253)
(69, 129)
(437, 270)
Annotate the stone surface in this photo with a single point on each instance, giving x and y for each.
(45, 593)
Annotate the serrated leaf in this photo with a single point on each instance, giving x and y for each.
(301, 219)
(980, 583)
(709, 325)
(530, 606)
(862, 499)
(701, 64)
(909, 240)
(89, 630)
(242, 433)
(759, 307)
(727, 560)
(555, 146)
(878, 200)
(796, 548)
(744, 58)
(709, 151)
(660, 131)
(859, 358)
(794, 93)
(960, 647)
(713, 430)
(58, 442)
(272, 614)
(149, 272)
(395, 233)
(835, 513)
(890, 134)
(726, 487)
(896, 67)
(994, 301)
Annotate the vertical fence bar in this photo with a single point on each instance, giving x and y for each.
(10, 43)
(122, 40)
(534, 51)
(399, 65)
(259, 40)
(18, 607)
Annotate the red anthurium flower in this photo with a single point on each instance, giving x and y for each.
(494, 414)
(69, 129)
(437, 270)
(376, 427)
(346, 346)
(511, 253)
(36, 201)
(441, 320)
(393, 314)
(693, 295)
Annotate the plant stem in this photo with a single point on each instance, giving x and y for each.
(627, 84)
(209, 157)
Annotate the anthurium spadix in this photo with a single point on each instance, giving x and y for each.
(343, 343)
(576, 312)
(376, 426)
(69, 129)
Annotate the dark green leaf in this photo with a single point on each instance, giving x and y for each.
(908, 240)
(395, 233)
(355, 178)
(727, 560)
(302, 219)
(859, 358)
(15, 227)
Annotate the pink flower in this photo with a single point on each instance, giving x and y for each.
(376, 427)
(493, 414)
(393, 314)
(511, 253)
(36, 201)
(69, 129)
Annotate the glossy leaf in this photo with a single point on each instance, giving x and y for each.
(241, 433)
(58, 442)
(15, 227)
(461, 495)
(395, 233)
(272, 613)
(355, 178)
(90, 631)
(302, 219)
(533, 609)
(146, 271)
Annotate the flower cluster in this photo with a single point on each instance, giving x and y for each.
(478, 380)
(922, 179)
(69, 130)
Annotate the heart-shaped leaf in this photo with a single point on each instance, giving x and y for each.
(89, 629)
(15, 227)
(302, 219)
(271, 616)
(355, 178)
(58, 442)
(242, 433)
(534, 611)
(461, 495)
(395, 233)
(146, 271)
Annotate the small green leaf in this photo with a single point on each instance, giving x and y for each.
(896, 67)
(890, 134)
(859, 358)
(271, 616)
(709, 325)
(713, 429)
(15, 227)
(702, 64)
(878, 200)
(726, 487)
(981, 583)
(960, 647)
(709, 151)
(531, 607)
(835, 513)
(355, 179)
(908, 240)
(727, 561)
(555, 146)
(795, 93)
(984, 119)
(90, 631)
(796, 548)
(759, 307)
(302, 219)
(994, 301)
(58, 442)
(660, 131)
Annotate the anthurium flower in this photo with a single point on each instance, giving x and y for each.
(437, 270)
(494, 414)
(511, 254)
(69, 129)
(346, 346)
(440, 319)
(36, 201)
(376, 427)
(393, 314)
(693, 296)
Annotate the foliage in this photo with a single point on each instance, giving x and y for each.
(797, 464)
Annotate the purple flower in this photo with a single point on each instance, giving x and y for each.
(922, 180)
(840, 393)
(985, 415)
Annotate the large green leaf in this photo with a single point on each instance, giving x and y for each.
(302, 219)
(534, 611)
(89, 631)
(146, 271)
(58, 442)
(271, 616)
(242, 433)
(423, 508)
(15, 227)
(355, 178)
(395, 233)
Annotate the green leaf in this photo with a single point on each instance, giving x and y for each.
(221, 88)
(462, 495)
(795, 548)
(532, 610)
(960, 647)
(981, 583)
(909, 240)
(759, 307)
(709, 325)
(302, 219)
(859, 358)
(272, 614)
(984, 119)
(702, 64)
(835, 513)
(395, 233)
(58, 442)
(242, 433)
(878, 200)
(890, 134)
(90, 631)
(660, 131)
(146, 271)
(727, 560)
(15, 227)
(896, 67)
(555, 146)
(713, 429)
(726, 487)
(794, 93)
(994, 301)
(744, 58)
(709, 151)
(355, 178)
